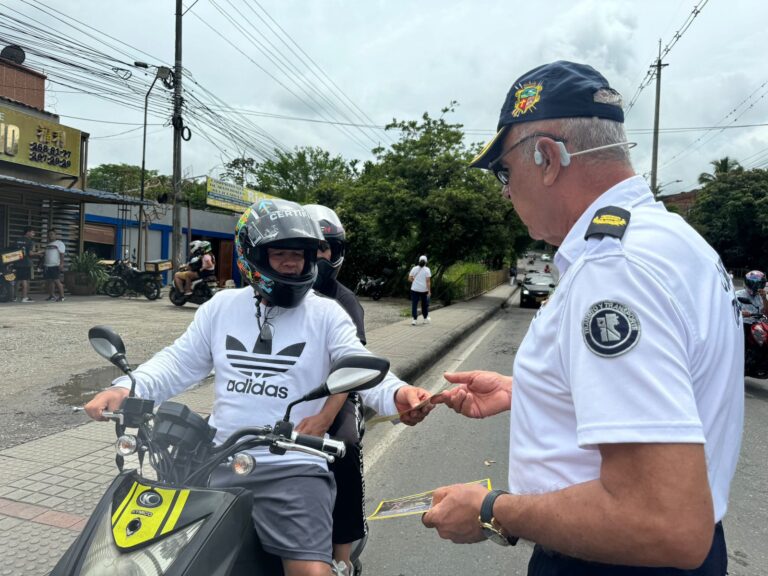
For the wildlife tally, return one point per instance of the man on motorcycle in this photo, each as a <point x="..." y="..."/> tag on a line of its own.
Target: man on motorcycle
<point x="260" y="367"/>
<point x="201" y="263"/>
<point x="348" y="512"/>
<point x="754" y="291"/>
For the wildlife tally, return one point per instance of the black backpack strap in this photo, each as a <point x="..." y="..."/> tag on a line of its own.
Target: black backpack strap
<point x="608" y="221"/>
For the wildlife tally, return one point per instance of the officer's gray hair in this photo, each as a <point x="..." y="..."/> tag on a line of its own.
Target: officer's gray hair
<point x="585" y="133"/>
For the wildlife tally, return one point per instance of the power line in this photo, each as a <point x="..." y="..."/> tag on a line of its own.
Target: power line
<point x="650" y="75"/>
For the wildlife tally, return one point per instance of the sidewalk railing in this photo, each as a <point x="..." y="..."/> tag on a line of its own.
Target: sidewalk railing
<point x="469" y="286"/>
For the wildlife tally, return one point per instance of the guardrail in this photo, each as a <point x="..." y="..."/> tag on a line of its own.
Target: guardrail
<point x="469" y="286"/>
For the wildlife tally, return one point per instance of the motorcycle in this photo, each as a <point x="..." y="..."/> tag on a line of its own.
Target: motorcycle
<point x="370" y="286"/>
<point x="176" y="524"/>
<point x="755" y="345"/>
<point x="203" y="289"/>
<point x="123" y="277"/>
<point x="7" y="274"/>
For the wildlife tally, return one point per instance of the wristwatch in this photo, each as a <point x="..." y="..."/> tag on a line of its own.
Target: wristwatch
<point x="491" y="528"/>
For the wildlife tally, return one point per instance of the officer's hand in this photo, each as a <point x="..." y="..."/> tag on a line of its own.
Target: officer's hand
<point x="412" y="404"/>
<point x="109" y="400"/>
<point x="479" y="393"/>
<point x="316" y="425"/>
<point x="454" y="512"/>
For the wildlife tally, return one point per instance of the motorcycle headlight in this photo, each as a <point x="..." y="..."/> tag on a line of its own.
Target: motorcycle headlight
<point x="526" y="292"/>
<point x="105" y="559"/>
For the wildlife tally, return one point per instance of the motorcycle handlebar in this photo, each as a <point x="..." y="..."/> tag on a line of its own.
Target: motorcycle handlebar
<point x="330" y="446"/>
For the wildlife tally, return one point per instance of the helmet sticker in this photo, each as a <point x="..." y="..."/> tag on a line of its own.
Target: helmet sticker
<point x="610" y="328"/>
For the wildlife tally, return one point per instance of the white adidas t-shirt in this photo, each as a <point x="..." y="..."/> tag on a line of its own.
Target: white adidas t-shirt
<point x="254" y="386"/>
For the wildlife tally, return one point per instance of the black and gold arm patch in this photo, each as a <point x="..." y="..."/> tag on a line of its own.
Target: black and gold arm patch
<point x="608" y="221"/>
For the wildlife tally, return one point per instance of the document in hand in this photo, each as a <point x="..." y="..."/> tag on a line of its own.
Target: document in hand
<point x="410" y="505"/>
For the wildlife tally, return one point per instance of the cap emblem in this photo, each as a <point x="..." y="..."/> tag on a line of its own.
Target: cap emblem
<point x="526" y="98"/>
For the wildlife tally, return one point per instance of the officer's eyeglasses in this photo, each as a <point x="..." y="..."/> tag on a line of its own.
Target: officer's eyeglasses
<point x="502" y="173"/>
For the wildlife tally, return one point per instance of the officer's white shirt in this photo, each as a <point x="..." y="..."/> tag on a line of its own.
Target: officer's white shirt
<point x="254" y="388"/>
<point x="640" y="343"/>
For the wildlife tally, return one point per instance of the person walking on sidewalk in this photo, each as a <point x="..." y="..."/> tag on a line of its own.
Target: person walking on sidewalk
<point x="24" y="266"/>
<point x="420" y="278"/>
<point x="53" y="266"/>
<point x="628" y="393"/>
<point x="342" y="414"/>
<point x="269" y="343"/>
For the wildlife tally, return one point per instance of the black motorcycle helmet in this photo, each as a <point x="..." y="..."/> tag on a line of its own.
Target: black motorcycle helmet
<point x="277" y="224"/>
<point x="335" y="237"/>
<point x="754" y="280"/>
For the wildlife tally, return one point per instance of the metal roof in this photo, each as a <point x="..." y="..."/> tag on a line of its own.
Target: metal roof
<point x="89" y="194"/>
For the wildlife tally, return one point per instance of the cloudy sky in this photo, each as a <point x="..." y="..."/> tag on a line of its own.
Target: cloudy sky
<point x="281" y="69"/>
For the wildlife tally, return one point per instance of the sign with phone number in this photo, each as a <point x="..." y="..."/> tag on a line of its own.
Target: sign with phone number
<point x="37" y="143"/>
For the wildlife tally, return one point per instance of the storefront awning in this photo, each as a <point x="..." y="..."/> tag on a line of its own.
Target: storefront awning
<point x="87" y="195"/>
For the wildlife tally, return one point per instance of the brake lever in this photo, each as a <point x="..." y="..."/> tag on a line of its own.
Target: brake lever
<point x="283" y="445"/>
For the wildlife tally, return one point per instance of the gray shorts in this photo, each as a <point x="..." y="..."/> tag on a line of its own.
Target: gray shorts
<point x="292" y="508"/>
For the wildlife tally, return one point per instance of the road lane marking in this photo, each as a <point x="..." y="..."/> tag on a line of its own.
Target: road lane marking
<point x="390" y="437"/>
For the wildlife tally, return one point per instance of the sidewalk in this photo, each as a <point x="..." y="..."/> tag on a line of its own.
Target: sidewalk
<point x="49" y="486"/>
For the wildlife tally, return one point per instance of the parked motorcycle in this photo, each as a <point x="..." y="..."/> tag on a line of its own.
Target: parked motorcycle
<point x="123" y="277"/>
<point x="8" y="274"/>
<point x="755" y="345"/>
<point x="176" y="525"/>
<point x="370" y="286"/>
<point x="203" y="290"/>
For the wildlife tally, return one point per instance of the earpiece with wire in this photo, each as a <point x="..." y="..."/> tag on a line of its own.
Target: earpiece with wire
<point x="565" y="156"/>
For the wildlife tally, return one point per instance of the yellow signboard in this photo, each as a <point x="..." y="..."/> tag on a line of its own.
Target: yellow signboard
<point x="31" y="141"/>
<point x="232" y="196"/>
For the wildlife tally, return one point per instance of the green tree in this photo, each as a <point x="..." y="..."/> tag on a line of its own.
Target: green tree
<point x="303" y="175"/>
<point x="731" y="212"/>
<point x="126" y="179"/>
<point x="420" y="197"/>
<point x="722" y="167"/>
<point x="241" y="171"/>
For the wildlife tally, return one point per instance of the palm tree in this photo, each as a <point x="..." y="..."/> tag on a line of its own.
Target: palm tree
<point x="722" y="167"/>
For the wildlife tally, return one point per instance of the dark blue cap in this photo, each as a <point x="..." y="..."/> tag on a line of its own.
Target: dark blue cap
<point x="557" y="90"/>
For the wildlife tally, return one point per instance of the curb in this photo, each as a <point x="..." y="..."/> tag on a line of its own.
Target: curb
<point x="413" y="368"/>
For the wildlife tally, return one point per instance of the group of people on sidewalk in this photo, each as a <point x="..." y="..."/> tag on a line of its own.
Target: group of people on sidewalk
<point x="627" y="400"/>
<point x="51" y="263"/>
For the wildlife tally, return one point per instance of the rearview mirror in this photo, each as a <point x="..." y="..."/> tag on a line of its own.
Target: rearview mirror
<point x="350" y="373"/>
<point x="356" y="372"/>
<point x="106" y="342"/>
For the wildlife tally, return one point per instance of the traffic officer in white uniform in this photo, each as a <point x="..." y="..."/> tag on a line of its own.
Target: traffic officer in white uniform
<point x="627" y="396"/>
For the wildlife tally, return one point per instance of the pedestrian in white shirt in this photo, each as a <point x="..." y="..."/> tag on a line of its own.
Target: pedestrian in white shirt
<point x="53" y="266"/>
<point x="420" y="278"/>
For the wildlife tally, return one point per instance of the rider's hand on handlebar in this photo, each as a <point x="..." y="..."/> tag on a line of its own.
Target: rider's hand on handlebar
<point x="108" y="400"/>
<point x="746" y="313"/>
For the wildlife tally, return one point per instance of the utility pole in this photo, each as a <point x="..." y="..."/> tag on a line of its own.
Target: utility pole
<point x="178" y="126"/>
<point x="655" y="160"/>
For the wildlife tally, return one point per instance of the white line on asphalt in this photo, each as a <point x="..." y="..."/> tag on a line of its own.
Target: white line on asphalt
<point x="373" y="454"/>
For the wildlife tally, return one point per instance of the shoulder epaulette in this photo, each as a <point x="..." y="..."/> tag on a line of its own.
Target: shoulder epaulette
<point x="608" y="221"/>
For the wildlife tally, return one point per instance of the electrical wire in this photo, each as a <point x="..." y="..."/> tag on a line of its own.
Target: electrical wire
<point x="651" y="74"/>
